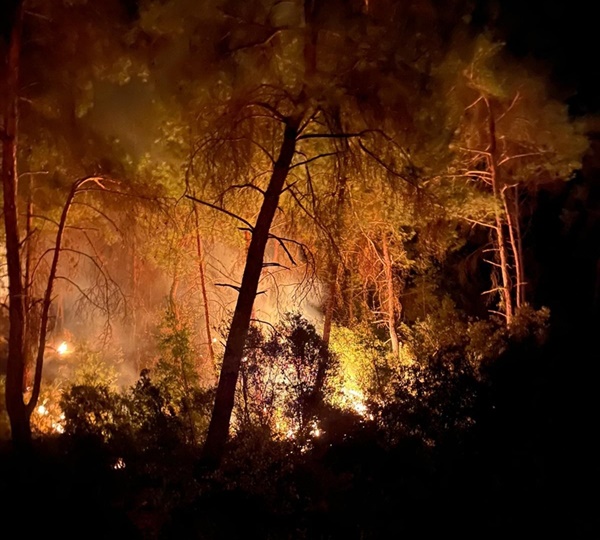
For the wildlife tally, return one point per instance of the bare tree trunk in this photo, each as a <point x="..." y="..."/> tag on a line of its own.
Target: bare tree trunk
<point x="234" y="348"/>
<point x="15" y="369"/>
<point x="391" y="300"/>
<point x="521" y="291"/>
<point x="27" y="289"/>
<point x="513" y="225"/>
<point x="39" y="362"/>
<point x="200" y="251"/>
<point x="330" y="302"/>
<point x="134" y="304"/>
<point x="499" y="229"/>
<point x="334" y="264"/>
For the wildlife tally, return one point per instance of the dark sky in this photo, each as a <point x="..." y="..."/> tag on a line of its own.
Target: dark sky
<point x="562" y="33"/>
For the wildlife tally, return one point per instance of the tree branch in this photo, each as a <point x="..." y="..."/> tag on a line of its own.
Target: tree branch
<point x="226" y="212"/>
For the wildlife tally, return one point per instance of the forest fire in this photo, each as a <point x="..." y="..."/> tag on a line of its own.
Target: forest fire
<point x="291" y="259"/>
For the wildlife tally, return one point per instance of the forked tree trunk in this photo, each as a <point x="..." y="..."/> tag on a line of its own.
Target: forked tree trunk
<point x="234" y="348"/>
<point x="15" y="369"/>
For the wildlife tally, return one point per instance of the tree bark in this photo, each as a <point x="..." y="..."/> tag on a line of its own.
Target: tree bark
<point x="200" y="252"/>
<point x="499" y="229"/>
<point x="15" y="369"/>
<point x="391" y="300"/>
<point x="219" y="424"/>
<point x="39" y="362"/>
<point x="331" y="302"/>
<point x="514" y="231"/>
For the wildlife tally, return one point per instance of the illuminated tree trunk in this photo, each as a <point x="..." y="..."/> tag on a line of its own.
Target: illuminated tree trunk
<point x="134" y="304"/>
<point x="521" y="291"/>
<point x="15" y="369"/>
<point x="334" y="265"/>
<point x="200" y="252"/>
<point x="330" y="302"/>
<point x="234" y="348"/>
<point x="514" y="229"/>
<point x="391" y="299"/>
<point x="28" y="332"/>
<point x="499" y="222"/>
<point x="47" y="301"/>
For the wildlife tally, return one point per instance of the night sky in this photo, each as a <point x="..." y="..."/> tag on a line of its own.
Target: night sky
<point x="562" y="35"/>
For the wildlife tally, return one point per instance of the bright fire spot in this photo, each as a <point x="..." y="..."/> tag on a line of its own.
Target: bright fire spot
<point x="119" y="464"/>
<point x="42" y="410"/>
<point x="214" y="340"/>
<point x="58" y="428"/>
<point x="62" y="348"/>
<point x="357" y="402"/>
<point x="316" y="432"/>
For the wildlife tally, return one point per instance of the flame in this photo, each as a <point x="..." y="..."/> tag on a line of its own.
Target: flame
<point x="63" y="348"/>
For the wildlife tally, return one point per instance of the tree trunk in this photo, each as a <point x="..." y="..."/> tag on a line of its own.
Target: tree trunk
<point x="391" y="300"/>
<point x="28" y="331"/>
<point x="39" y="362"/>
<point x="499" y="229"/>
<point x="15" y="369"/>
<point x="200" y="252"/>
<point x="219" y="424"/>
<point x="514" y="230"/>
<point x="331" y="302"/>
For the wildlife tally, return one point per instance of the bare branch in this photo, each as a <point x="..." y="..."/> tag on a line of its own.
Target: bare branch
<point x="104" y="215"/>
<point x="282" y="244"/>
<point x="385" y="165"/>
<point x="332" y="135"/>
<point x="271" y="264"/>
<point x="235" y="287"/>
<point x="269" y="108"/>
<point x="541" y="152"/>
<point x="83" y="293"/>
<point x="314" y="158"/>
<point x="227" y="212"/>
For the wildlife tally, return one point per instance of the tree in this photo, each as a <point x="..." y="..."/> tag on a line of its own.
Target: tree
<point x="305" y="96"/>
<point x="16" y="354"/>
<point x="17" y="128"/>
<point x="511" y="137"/>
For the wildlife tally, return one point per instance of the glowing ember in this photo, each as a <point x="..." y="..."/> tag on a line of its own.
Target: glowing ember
<point x="62" y="348"/>
<point x="42" y="410"/>
<point x="316" y="432"/>
<point x="119" y="464"/>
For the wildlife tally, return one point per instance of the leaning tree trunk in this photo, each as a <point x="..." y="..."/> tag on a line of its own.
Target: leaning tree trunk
<point x="47" y="301"/>
<point x="234" y="348"/>
<point x="15" y="369"/>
